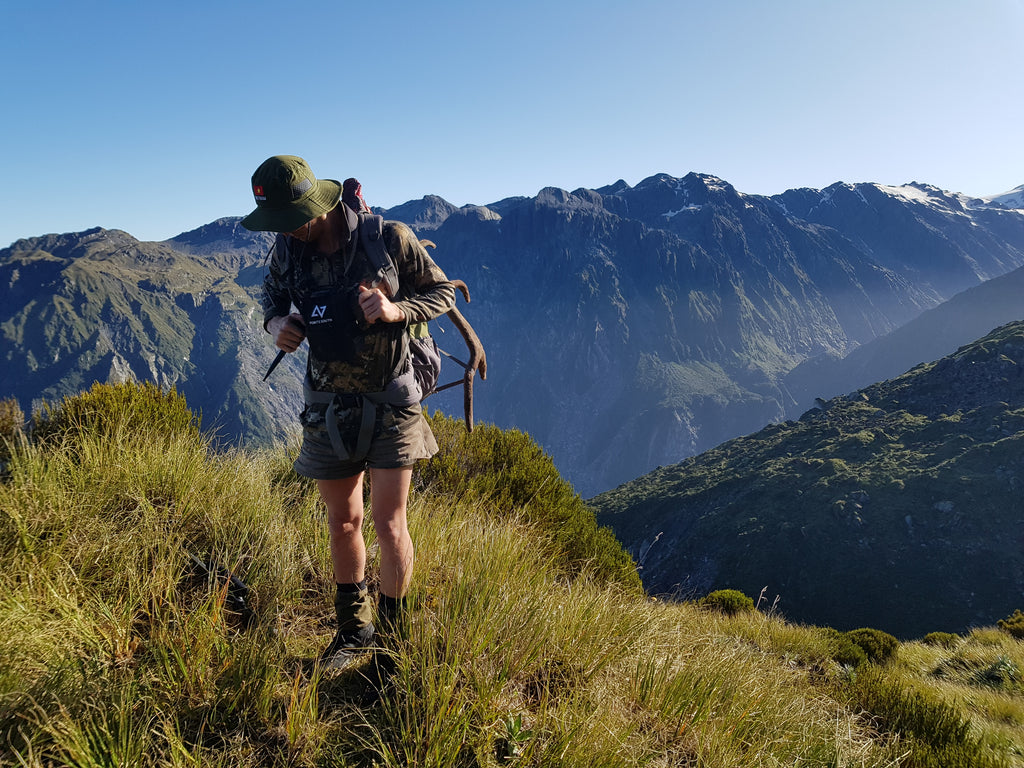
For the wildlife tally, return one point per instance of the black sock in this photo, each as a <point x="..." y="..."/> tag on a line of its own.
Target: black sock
<point x="391" y="605"/>
<point x="359" y="586"/>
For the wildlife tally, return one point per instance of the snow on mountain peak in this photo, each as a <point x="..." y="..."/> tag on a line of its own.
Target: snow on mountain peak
<point x="914" y="193"/>
<point x="1014" y="199"/>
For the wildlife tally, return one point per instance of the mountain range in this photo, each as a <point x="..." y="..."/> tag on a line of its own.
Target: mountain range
<point x="626" y="327"/>
<point x="633" y="326"/>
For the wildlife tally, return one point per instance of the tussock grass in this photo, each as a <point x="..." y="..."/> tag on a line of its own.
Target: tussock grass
<point x="119" y="651"/>
<point x="982" y="673"/>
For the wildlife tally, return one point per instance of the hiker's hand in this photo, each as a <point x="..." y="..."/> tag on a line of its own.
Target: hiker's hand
<point x="377" y="306"/>
<point x="288" y="332"/>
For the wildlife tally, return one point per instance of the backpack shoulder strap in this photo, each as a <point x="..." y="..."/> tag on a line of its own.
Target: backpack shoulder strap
<point x="371" y="236"/>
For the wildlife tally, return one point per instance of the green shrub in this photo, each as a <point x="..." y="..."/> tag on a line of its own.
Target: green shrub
<point x="509" y="471"/>
<point x="835" y="467"/>
<point x="727" y="601"/>
<point x="941" y="639"/>
<point x="877" y="645"/>
<point x="859" y="646"/>
<point x="847" y="652"/>
<point x="108" y="408"/>
<point x="1014" y="624"/>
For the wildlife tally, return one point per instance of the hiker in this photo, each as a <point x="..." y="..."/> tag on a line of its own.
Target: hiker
<point x="362" y="406"/>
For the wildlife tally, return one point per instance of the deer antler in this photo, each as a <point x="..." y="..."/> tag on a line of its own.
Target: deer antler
<point x="477" y="357"/>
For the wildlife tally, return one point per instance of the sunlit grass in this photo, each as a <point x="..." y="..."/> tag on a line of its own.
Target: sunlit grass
<point x="118" y="650"/>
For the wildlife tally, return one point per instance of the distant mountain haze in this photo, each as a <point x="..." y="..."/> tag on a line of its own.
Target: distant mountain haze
<point x="626" y="327"/>
<point x="966" y="317"/>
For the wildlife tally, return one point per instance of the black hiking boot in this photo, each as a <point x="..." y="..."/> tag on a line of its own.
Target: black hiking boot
<point x="393" y="618"/>
<point x="348" y="647"/>
<point x="379" y="674"/>
<point x="392" y="631"/>
<point x="355" y="635"/>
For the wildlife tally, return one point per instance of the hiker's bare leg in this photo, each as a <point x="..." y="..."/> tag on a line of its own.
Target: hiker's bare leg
<point x="389" y="495"/>
<point x="344" y="500"/>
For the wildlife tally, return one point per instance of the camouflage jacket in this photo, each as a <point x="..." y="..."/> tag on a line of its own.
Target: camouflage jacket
<point x="348" y="355"/>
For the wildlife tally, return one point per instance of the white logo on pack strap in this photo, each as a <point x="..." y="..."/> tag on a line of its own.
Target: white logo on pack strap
<point x="320" y="311"/>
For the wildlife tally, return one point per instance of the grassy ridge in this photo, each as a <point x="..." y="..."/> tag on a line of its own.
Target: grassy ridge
<point x="118" y="651"/>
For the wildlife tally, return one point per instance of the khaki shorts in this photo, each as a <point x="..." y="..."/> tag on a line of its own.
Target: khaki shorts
<point x="401" y="436"/>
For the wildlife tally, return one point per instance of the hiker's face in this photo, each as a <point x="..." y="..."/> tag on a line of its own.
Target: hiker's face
<point x="307" y="232"/>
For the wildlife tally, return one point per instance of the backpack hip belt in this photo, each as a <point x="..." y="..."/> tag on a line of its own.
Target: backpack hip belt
<point x="402" y="392"/>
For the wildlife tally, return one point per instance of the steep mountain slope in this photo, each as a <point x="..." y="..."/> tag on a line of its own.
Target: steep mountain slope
<point x="901" y="506"/>
<point x="102" y="306"/>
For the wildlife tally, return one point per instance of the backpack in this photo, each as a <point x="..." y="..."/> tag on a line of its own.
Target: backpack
<point x="423" y="351"/>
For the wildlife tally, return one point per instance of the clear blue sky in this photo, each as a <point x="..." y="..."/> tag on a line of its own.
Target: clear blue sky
<point x="150" y="117"/>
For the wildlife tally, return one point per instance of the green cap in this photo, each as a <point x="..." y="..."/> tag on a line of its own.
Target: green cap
<point x="288" y="195"/>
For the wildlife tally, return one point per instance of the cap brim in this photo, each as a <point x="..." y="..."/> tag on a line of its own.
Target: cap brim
<point x="323" y="198"/>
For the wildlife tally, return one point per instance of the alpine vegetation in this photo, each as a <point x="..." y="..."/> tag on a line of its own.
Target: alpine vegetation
<point x="163" y="602"/>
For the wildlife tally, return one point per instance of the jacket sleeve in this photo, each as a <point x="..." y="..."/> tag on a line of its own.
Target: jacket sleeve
<point x="277" y="300"/>
<point x="424" y="290"/>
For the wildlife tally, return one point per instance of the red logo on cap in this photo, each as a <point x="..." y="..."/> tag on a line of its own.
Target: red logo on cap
<point x="257" y="191"/>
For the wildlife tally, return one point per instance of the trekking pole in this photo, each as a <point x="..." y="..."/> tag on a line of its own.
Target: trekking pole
<point x="273" y="365"/>
<point x="281" y="353"/>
